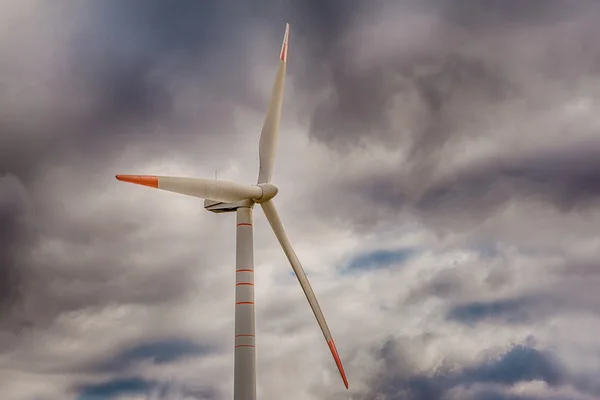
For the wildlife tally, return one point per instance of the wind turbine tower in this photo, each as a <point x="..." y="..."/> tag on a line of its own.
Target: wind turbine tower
<point x="222" y="197"/>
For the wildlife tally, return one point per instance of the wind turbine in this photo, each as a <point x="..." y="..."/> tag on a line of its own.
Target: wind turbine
<point x="223" y="196"/>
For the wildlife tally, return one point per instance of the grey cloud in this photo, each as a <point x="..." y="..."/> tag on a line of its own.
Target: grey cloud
<point x="115" y="75"/>
<point x="568" y="178"/>
<point x="367" y="105"/>
<point x="469" y="80"/>
<point x="471" y="13"/>
<point x="474" y="303"/>
<point x="498" y="394"/>
<point x="445" y="284"/>
<point x="13" y="236"/>
<point x="520" y="364"/>
<point x="450" y="81"/>
<point x="494" y="300"/>
<point x="82" y="264"/>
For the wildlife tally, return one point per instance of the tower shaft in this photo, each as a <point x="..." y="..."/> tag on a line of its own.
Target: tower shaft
<point x="244" y="375"/>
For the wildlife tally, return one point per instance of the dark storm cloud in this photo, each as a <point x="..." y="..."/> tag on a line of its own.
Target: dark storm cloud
<point x="112" y="72"/>
<point x="475" y="14"/>
<point x="13" y="236"/>
<point x="461" y="83"/>
<point x="567" y="178"/>
<point x="321" y="25"/>
<point x="438" y="70"/>
<point x="362" y="106"/>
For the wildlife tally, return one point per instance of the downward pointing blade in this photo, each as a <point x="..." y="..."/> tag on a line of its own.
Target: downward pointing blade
<point x="211" y="189"/>
<point x="270" y="130"/>
<point x="275" y="222"/>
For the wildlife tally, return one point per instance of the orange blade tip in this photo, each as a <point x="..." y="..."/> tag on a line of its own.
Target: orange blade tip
<point x="338" y="362"/>
<point x="284" y="45"/>
<point x="150" y="181"/>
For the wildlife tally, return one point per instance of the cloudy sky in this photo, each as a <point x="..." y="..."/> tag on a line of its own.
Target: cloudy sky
<point x="439" y="175"/>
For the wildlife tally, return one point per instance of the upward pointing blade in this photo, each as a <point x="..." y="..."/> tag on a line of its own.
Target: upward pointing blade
<point x="275" y="222"/>
<point x="270" y="130"/>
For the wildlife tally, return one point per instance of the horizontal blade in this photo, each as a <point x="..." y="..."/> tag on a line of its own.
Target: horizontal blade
<point x="270" y="130"/>
<point x="275" y="222"/>
<point x="197" y="187"/>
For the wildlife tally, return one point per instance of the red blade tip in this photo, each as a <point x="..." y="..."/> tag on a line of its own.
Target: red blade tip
<point x="150" y="181"/>
<point x="284" y="45"/>
<point x="338" y="362"/>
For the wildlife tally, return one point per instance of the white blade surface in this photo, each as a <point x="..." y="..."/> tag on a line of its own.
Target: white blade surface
<point x="211" y="189"/>
<point x="275" y="222"/>
<point x="270" y="130"/>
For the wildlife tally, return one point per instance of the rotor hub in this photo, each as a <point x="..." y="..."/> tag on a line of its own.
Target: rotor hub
<point x="268" y="192"/>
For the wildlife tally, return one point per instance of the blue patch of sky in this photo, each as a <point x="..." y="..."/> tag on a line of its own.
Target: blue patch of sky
<point x="513" y="310"/>
<point x="522" y="363"/>
<point x="375" y="259"/>
<point x="380" y="259"/>
<point x="110" y="389"/>
<point x="159" y="352"/>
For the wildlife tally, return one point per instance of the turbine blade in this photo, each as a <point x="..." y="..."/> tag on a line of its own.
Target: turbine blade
<point x="270" y="129"/>
<point x="197" y="187"/>
<point x="275" y="222"/>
